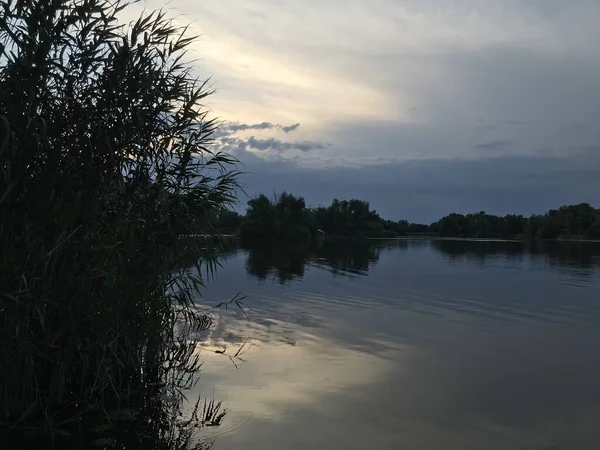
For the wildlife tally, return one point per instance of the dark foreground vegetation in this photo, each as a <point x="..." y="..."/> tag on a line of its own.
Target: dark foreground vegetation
<point x="103" y="166"/>
<point x="286" y="217"/>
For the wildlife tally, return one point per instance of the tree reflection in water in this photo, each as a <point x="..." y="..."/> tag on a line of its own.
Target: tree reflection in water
<point x="566" y="254"/>
<point x="158" y="416"/>
<point x="285" y="262"/>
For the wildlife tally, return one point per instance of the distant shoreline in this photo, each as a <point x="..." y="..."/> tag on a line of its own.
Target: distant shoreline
<point x="337" y="238"/>
<point x="438" y="238"/>
<point x="286" y="217"/>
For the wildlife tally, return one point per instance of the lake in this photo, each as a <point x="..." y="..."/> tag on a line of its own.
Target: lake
<point x="407" y="344"/>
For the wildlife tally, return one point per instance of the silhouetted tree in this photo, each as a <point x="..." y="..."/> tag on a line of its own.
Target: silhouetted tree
<point x="572" y="221"/>
<point x="229" y="221"/>
<point x="287" y="217"/>
<point x="284" y="217"/>
<point x="353" y="218"/>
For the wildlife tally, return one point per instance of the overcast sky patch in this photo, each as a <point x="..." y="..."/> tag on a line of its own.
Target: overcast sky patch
<point x="470" y="83"/>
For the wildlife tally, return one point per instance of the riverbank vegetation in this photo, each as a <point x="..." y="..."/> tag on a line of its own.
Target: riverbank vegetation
<point x="287" y="217"/>
<point x="104" y="164"/>
<point x="580" y="221"/>
<point x="284" y="217"/>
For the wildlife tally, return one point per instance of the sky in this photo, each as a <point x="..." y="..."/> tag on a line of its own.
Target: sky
<point x="421" y="107"/>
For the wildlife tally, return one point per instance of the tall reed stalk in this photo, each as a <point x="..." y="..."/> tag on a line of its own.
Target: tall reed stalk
<point x="104" y="162"/>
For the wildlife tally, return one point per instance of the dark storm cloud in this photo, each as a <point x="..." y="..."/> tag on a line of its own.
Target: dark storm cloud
<point x="426" y="190"/>
<point x="237" y="144"/>
<point x="493" y="145"/>
<point x="229" y="128"/>
<point x="277" y="145"/>
<point x="290" y="128"/>
<point x="232" y="144"/>
<point x="257" y="126"/>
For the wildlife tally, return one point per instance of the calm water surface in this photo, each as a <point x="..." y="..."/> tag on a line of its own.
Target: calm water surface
<point x="408" y="344"/>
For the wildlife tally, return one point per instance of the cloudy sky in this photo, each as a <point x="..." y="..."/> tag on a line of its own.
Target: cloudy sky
<point x="422" y="107"/>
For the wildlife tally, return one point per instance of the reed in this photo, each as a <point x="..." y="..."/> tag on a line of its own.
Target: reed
<point x="105" y="161"/>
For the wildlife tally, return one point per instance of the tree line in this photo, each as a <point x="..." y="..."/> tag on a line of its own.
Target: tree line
<point x="287" y="217"/>
<point x="580" y="221"/>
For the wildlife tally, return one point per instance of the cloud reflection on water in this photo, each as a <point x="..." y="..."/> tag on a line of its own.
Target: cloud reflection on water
<point x="497" y="353"/>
